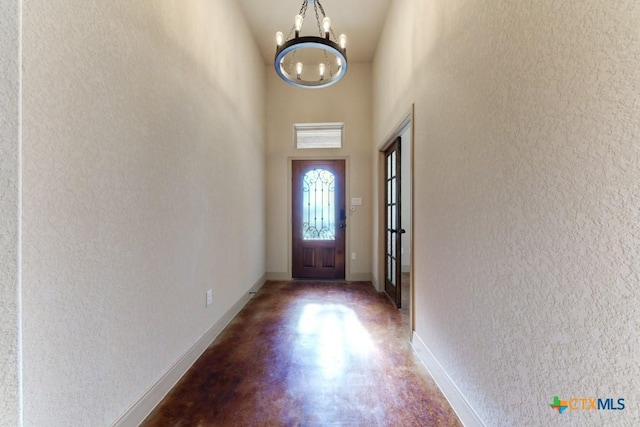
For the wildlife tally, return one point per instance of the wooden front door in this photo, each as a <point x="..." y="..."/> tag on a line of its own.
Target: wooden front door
<point x="319" y="219"/>
<point x="393" y="229"/>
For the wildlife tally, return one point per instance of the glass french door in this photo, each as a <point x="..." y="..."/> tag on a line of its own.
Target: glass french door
<point x="318" y="219"/>
<point x="393" y="230"/>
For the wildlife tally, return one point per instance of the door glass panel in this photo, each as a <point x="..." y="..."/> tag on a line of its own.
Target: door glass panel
<point x="392" y="249"/>
<point x="393" y="272"/>
<point x="393" y="219"/>
<point x="392" y="198"/>
<point x="318" y="205"/>
<point x="392" y="159"/>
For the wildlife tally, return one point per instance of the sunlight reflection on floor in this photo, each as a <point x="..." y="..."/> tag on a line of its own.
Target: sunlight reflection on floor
<point x="333" y="336"/>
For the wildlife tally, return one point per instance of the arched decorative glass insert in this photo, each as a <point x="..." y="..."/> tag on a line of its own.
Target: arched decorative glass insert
<point x="318" y="205"/>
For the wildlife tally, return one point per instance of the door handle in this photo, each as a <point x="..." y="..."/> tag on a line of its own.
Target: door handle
<point x="343" y="225"/>
<point x="402" y="231"/>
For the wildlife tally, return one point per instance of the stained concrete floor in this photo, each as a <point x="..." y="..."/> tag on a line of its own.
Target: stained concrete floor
<point x="306" y="353"/>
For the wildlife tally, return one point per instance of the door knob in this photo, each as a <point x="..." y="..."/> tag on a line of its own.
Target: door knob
<point x="343" y="225"/>
<point x="402" y="231"/>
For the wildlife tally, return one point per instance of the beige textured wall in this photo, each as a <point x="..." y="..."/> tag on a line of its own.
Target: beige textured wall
<point x="527" y="172"/>
<point x="348" y="101"/>
<point x="9" y="212"/>
<point x="137" y="117"/>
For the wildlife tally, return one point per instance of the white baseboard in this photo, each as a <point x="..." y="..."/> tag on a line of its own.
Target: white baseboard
<point x="354" y="277"/>
<point x="458" y="402"/>
<point x="278" y="276"/>
<point x="360" y="277"/>
<point x="377" y="285"/>
<point x="150" y="399"/>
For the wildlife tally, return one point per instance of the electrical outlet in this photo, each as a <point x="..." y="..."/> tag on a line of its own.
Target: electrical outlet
<point x="209" y="297"/>
<point x="353" y="255"/>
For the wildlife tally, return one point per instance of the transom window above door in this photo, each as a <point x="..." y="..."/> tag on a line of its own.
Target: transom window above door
<point x="318" y="135"/>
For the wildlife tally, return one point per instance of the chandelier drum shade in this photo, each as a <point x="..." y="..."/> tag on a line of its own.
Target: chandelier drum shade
<point x="311" y="61"/>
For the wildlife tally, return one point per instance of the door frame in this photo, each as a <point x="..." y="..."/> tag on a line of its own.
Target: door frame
<point x="347" y="195"/>
<point x="407" y="122"/>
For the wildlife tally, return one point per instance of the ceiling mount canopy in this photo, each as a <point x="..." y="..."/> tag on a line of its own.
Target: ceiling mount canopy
<point x="311" y="61"/>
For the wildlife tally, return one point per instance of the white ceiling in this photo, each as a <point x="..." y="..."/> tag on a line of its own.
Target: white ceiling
<point x="360" y="20"/>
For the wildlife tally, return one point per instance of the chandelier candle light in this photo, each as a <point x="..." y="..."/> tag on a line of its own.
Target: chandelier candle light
<point x="311" y="61"/>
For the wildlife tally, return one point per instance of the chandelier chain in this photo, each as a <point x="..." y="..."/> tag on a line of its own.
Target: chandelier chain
<point x="321" y="8"/>
<point x="293" y="57"/>
<point x="326" y="57"/>
<point x="303" y="13"/>
<point x="315" y="6"/>
<point x="323" y="15"/>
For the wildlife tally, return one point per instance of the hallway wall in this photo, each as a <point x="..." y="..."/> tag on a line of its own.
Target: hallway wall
<point x="526" y="226"/>
<point x="143" y="187"/>
<point x="9" y="212"/>
<point x="347" y="101"/>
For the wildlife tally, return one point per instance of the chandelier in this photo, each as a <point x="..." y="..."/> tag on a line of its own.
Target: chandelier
<point x="311" y="61"/>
